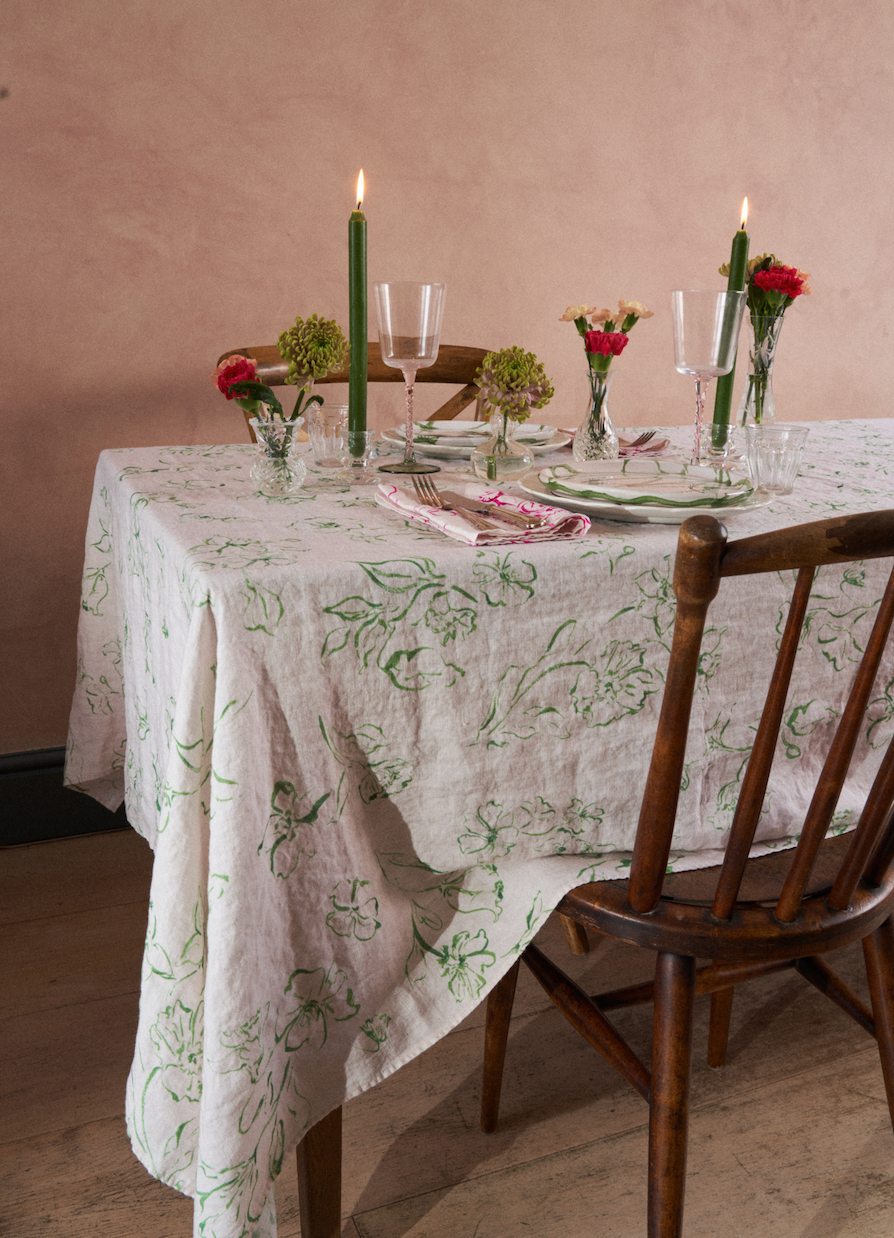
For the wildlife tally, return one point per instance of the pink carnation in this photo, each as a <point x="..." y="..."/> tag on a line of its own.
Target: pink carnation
<point x="787" y="280"/>
<point x="608" y="343"/>
<point x="235" y="369"/>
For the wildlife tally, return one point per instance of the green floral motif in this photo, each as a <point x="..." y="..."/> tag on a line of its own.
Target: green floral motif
<point x="351" y="914"/>
<point x="197" y="777"/>
<point x="503" y="580"/>
<point x="177" y="1036"/>
<point x="217" y="886"/>
<point x="273" y="1105"/>
<point x="244" y="1047"/>
<point x="355" y="531"/>
<point x="243" y="553"/>
<point x="615" y="687"/>
<point x="438" y="895"/>
<point x="176" y="969"/>
<point x="569" y="683"/>
<point x="406" y="591"/>
<point x="263" y="609"/>
<point x="235" y="1192"/>
<point x="879" y="716"/>
<point x="288" y="836"/>
<point x="578" y="817"/>
<point x="496" y="829"/>
<point x="725" y="737"/>
<point x="449" y="622"/>
<point x="800" y="721"/>
<point x="841" y="626"/>
<point x="376" y="1030"/>
<point x="533" y="921"/>
<point x="710" y="657"/>
<point x="100" y="692"/>
<point x="382" y="778"/>
<point x="657" y="601"/>
<point x="615" y="554"/>
<point x="463" y="962"/>
<point x="95" y="589"/>
<point x="492" y="830"/>
<point x="323" y="996"/>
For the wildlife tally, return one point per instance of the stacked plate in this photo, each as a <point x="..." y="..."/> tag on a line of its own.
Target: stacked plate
<point x="649" y="491"/>
<point x="456" y="439"/>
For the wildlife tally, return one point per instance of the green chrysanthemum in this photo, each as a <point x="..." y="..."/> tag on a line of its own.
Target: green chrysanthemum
<point x="514" y="382"/>
<point x="313" y="348"/>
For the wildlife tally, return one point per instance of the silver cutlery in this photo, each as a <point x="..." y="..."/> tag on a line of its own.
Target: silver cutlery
<point x="642" y="440"/>
<point x="428" y="493"/>
<point x="520" y="519"/>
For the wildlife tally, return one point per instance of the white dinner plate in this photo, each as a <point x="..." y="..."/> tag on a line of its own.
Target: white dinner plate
<point x="649" y="482"/>
<point x="448" y="429"/>
<point x="635" y="514"/>
<point x="445" y="450"/>
<point x="527" y="432"/>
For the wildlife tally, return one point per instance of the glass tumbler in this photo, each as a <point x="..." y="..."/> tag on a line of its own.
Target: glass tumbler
<point x="326" y="425"/>
<point x="774" y="455"/>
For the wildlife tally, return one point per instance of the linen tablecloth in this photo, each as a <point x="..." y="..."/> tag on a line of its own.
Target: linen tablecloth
<point x="370" y="760"/>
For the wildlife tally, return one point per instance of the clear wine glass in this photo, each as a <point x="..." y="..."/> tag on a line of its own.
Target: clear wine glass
<point x="409" y="318"/>
<point x="706" y="333"/>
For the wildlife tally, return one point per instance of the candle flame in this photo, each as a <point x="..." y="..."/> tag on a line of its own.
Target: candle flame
<point x="360" y="190"/>
<point x="744" y="212"/>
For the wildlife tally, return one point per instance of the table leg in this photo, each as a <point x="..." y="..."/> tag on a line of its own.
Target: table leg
<point x="319" y="1179"/>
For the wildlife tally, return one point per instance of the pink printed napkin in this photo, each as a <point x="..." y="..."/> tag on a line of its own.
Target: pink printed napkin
<point x="559" y="525"/>
<point x="655" y="447"/>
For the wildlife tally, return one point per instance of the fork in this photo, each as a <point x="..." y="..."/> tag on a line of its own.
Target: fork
<point x="429" y="494"/>
<point x="456" y="502"/>
<point x="642" y="440"/>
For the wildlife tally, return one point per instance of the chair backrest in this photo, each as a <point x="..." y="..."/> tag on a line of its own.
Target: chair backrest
<point x="455" y="364"/>
<point x="703" y="560"/>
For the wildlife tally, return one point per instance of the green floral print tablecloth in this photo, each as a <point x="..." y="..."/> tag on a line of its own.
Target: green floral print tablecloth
<point x="370" y="760"/>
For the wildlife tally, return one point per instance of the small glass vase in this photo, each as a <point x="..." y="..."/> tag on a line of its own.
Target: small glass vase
<point x="757" y="406"/>
<point x="277" y="470"/>
<point x="501" y="458"/>
<point x="596" y="439"/>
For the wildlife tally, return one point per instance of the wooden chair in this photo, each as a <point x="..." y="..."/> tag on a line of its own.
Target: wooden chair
<point x="749" y="917"/>
<point x="455" y="364"/>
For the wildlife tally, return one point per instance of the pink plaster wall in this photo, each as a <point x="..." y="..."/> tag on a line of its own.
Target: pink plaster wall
<point x="178" y="176"/>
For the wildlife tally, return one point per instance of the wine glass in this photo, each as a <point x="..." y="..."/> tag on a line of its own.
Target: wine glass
<point x="706" y="333"/>
<point x="409" y="334"/>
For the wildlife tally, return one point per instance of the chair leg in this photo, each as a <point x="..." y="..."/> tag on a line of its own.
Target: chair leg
<point x="878" y="951"/>
<point x="718" y="1029"/>
<point x="575" y="935"/>
<point x="319" y="1179"/>
<point x="496" y="1033"/>
<point x="669" y="1104"/>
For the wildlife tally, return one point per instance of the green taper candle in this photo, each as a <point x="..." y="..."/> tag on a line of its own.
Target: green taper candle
<point x="738" y="270"/>
<point x="357" y="312"/>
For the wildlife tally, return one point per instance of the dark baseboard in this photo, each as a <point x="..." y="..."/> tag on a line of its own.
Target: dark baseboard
<point x="35" y="807"/>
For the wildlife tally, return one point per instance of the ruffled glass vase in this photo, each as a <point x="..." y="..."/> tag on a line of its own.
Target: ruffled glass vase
<point x="501" y="458"/>
<point x="757" y="406"/>
<point x="277" y="470"/>
<point x="596" y="439"/>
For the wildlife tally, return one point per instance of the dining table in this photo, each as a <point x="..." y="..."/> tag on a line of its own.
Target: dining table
<point x="370" y="759"/>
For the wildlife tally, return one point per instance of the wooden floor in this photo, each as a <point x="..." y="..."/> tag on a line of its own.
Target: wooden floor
<point x="792" y="1140"/>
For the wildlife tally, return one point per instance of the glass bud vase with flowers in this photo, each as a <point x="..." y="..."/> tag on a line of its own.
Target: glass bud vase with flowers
<point x="771" y="289"/>
<point x="277" y="470"/>
<point x="512" y="382"/>
<point x="313" y="347"/>
<point x="605" y="337"/>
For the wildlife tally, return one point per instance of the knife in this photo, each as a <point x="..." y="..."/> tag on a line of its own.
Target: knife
<point x="492" y="509"/>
